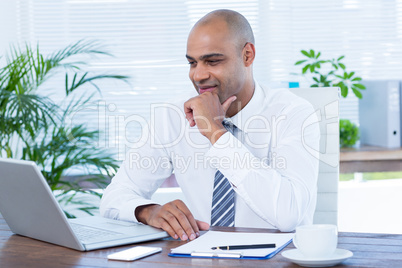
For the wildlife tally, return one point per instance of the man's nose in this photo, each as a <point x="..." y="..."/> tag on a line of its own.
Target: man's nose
<point x="200" y="73"/>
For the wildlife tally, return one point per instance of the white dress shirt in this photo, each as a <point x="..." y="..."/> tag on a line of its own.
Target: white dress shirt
<point x="273" y="175"/>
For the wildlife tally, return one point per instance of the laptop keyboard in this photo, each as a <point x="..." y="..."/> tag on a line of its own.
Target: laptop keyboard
<point x="85" y="233"/>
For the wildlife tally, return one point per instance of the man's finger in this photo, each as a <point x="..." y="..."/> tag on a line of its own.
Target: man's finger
<point x="190" y="218"/>
<point x="168" y="228"/>
<point x="203" y="226"/>
<point x="185" y="228"/>
<point x="172" y="218"/>
<point x="190" y="119"/>
<point x="228" y="102"/>
<point x="189" y="113"/>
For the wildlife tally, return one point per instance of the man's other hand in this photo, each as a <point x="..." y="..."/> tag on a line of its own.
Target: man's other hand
<point x="173" y="217"/>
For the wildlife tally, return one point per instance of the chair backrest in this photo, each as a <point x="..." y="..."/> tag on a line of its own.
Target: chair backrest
<point x="326" y="104"/>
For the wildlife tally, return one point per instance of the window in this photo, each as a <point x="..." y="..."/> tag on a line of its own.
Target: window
<point x="148" y="39"/>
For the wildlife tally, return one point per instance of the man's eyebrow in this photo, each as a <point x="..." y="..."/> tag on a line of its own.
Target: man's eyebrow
<point x="203" y="57"/>
<point x="206" y="56"/>
<point x="189" y="58"/>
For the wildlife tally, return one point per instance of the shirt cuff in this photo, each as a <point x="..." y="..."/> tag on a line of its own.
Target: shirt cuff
<point x="127" y="213"/>
<point x="231" y="158"/>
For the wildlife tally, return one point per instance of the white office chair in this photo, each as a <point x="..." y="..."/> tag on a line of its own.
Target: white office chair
<point x="326" y="103"/>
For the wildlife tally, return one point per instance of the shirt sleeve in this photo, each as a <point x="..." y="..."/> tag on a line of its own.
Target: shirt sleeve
<point x="140" y="175"/>
<point x="281" y="186"/>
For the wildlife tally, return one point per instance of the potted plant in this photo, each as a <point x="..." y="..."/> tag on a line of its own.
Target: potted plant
<point x="330" y="73"/>
<point x="333" y="73"/>
<point x="32" y="126"/>
<point x="348" y="133"/>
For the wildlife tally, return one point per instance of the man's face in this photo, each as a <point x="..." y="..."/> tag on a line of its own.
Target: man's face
<point x="215" y="61"/>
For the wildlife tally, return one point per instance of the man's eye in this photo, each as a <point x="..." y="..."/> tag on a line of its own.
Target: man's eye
<point x="213" y="62"/>
<point x="191" y="62"/>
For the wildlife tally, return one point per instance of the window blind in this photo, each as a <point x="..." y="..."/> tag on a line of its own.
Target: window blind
<point x="148" y="41"/>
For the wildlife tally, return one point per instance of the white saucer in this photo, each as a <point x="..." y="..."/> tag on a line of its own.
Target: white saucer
<point x="337" y="257"/>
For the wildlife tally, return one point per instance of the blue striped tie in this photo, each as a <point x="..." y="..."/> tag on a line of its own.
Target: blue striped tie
<point x="223" y="210"/>
<point x="223" y="205"/>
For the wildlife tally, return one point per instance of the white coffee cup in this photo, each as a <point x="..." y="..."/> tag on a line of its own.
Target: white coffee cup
<point x="317" y="240"/>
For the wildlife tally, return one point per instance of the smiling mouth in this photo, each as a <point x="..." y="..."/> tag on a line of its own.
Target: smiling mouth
<point x="206" y="89"/>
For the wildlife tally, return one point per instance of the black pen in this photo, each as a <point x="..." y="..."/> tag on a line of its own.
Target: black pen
<point x="245" y="246"/>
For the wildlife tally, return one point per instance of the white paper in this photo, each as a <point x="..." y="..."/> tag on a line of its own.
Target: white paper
<point x="211" y="239"/>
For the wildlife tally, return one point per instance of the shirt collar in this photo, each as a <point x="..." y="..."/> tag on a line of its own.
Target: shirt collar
<point x="253" y="107"/>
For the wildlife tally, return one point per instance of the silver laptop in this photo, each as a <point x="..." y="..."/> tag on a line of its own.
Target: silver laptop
<point x="30" y="209"/>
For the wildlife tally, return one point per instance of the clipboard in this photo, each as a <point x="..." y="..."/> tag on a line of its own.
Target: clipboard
<point x="201" y="247"/>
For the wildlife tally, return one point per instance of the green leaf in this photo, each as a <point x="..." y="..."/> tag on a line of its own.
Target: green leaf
<point x="357" y="93"/>
<point x="305" y="68"/>
<point x="318" y="55"/>
<point x="342" y="66"/>
<point x="359" y="86"/>
<point x="315" y="79"/>
<point x="305" y="53"/>
<point x="66" y="84"/>
<point x="357" y="79"/>
<point x="351" y="74"/>
<point x="315" y="85"/>
<point x="312" y="68"/>
<point x="91" y="80"/>
<point x="300" y="62"/>
<point x="344" y="91"/>
<point x="341" y="57"/>
<point x="312" y="53"/>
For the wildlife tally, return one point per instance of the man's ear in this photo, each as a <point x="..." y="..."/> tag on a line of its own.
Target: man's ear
<point x="248" y="54"/>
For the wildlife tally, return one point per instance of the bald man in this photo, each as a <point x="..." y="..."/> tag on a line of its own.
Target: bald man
<point x="236" y="149"/>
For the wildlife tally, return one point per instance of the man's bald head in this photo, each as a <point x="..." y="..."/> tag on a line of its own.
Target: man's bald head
<point x="237" y="25"/>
